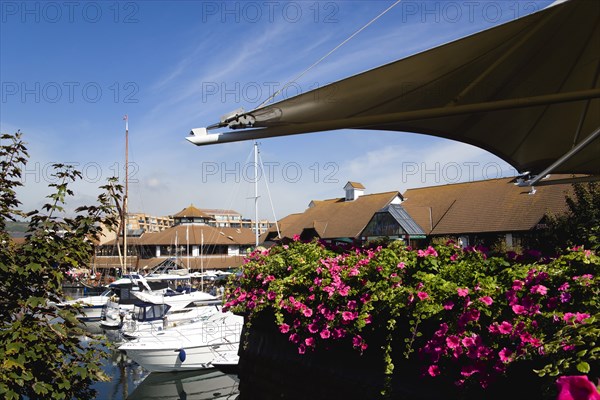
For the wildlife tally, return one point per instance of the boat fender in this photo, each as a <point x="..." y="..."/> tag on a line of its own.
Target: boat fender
<point x="182" y="355"/>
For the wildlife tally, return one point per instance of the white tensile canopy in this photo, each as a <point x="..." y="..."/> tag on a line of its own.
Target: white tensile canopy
<point x="527" y="91"/>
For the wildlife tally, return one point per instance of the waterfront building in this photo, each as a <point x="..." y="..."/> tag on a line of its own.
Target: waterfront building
<point x="148" y="223"/>
<point x="493" y="211"/>
<point x="193" y="240"/>
<point x="233" y="219"/>
<point x="356" y="216"/>
<point x="487" y="212"/>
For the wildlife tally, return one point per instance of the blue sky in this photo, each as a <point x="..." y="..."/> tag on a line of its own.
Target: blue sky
<point x="69" y="71"/>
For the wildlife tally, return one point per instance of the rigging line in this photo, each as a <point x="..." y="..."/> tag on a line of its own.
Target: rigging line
<point x="327" y="55"/>
<point x="235" y="192"/>
<point x="270" y="199"/>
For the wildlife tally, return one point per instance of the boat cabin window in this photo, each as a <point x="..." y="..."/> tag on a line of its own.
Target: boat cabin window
<point x="150" y="312"/>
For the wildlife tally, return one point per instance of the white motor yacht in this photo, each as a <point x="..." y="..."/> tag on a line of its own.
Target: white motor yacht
<point x="194" y="347"/>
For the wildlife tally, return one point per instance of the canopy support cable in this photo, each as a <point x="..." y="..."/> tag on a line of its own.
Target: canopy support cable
<point x="326" y="55"/>
<point x="262" y="167"/>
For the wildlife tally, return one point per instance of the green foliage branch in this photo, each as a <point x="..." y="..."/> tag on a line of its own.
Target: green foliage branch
<point x="42" y="354"/>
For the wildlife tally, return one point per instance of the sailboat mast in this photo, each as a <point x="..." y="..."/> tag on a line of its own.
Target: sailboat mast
<point x="256" y="234"/>
<point x="201" y="260"/>
<point x="125" y="218"/>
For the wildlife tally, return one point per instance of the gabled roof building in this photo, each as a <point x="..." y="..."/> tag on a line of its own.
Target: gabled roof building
<point x="477" y="212"/>
<point x="356" y="216"/>
<point x="194" y="240"/>
<point x="485" y="211"/>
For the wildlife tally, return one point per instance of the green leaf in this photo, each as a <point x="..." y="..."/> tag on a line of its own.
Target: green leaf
<point x="583" y="367"/>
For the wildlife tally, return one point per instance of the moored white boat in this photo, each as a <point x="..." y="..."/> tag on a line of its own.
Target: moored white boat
<point x="92" y="306"/>
<point x="194" y="347"/>
<point x="227" y="361"/>
<point x="148" y="318"/>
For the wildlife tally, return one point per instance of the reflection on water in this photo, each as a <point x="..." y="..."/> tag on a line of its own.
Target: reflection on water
<point x="197" y="385"/>
<point x="130" y="382"/>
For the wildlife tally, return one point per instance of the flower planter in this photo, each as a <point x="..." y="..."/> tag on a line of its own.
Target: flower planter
<point x="484" y="323"/>
<point x="270" y="367"/>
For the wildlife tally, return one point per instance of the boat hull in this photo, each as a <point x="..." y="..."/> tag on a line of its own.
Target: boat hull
<point x="178" y="359"/>
<point x="192" y="348"/>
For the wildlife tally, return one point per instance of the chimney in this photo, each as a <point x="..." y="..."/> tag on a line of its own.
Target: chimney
<point x="354" y="190"/>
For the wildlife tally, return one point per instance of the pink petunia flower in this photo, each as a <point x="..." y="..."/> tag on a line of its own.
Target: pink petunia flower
<point x="540" y="289"/>
<point x="349" y="316"/>
<point x="505" y="327"/>
<point x="580" y="317"/>
<point x="573" y="318"/>
<point x="462" y="292"/>
<point x="433" y="370"/>
<point x="576" y="388"/>
<point x="343" y="291"/>
<point x="517" y="284"/>
<point x="487" y="300"/>
<point x="284" y="328"/>
<point x="468" y="342"/>
<point x="452" y="341"/>
<point x="568" y="347"/>
<point x="518" y="309"/>
<point x="357" y="341"/>
<point x="449" y="305"/>
<point x="325" y="334"/>
<point x="422" y="295"/>
<point x="401" y="265"/>
<point x="310" y="341"/>
<point x="430" y="251"/>
<point x="338" y="333"/>
<point x="505" y="355"/>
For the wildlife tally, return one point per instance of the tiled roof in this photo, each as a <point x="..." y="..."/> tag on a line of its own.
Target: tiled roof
<point x="218" y="211"/>
<point x="196" y="234"/>
<point x="495" y="205"/>
<point x="355" y="185"/>
<point x="190" y="212"/>
<point x="335" y="218"/>
<point x="195" y="263"/>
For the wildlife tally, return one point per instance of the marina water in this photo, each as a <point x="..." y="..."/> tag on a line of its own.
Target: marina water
<point x="129" y="381"/>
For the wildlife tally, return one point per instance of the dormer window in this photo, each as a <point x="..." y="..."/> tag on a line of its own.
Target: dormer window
<point x="354" y="190"/>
